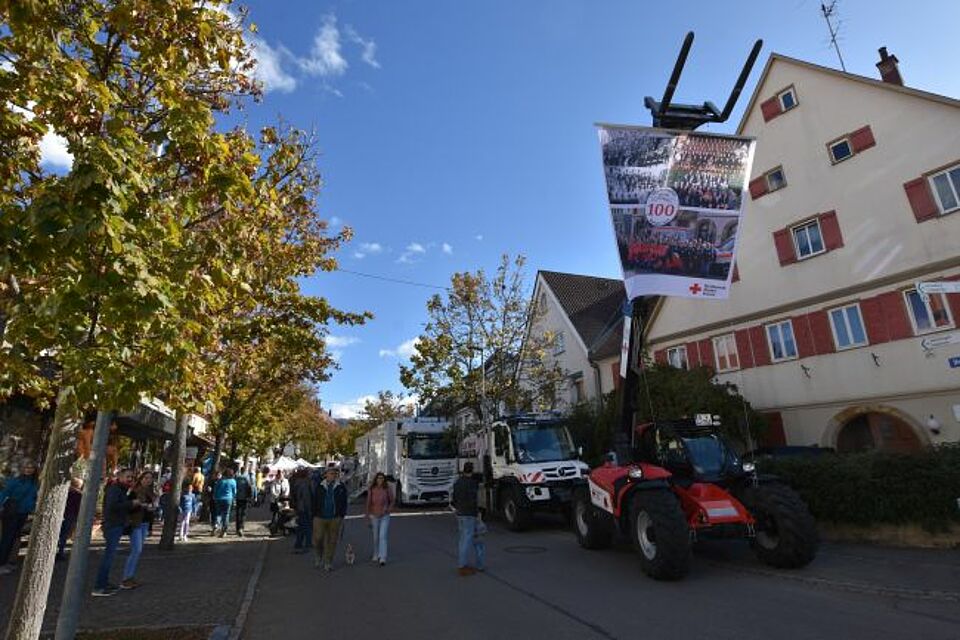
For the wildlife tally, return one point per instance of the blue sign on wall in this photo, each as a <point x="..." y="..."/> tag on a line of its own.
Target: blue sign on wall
<point x="954" y="362"/>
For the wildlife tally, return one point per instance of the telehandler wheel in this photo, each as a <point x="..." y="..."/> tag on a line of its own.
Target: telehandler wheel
<point x="515" y="514"/>
<point x="593" y="527"/>
<point x="786" y="532"/>
<point x="659" y="532"/>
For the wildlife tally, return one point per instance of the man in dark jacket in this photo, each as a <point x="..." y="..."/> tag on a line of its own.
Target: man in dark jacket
<point x="303" y="503"/>
<point x="242" y="499"/>
<point x="329" y="509"/>
<point x="117" y="505"/>
<point x="464" y="500"/>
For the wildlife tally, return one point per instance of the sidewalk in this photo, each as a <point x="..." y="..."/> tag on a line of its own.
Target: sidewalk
<point x="199" y="584"/>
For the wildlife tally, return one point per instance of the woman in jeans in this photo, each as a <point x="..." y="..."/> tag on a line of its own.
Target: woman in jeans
<point x="224" y="492"/>
<point x="17" y="501"/>
<point x="379" y="504"/>
<point x="144" y="493"/>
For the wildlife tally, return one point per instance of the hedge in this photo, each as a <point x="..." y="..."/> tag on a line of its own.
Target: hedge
<point x="876" y="487"/>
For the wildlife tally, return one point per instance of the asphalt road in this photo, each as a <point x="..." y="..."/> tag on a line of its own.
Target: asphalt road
<point x="541" y="584"/>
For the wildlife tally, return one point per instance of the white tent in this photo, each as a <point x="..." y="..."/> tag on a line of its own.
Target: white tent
<point x="303" y="463"/>
<point x="285" y="464"/>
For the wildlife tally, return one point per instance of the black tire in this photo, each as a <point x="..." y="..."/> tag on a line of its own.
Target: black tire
<point x="660" y="534"/>
<point x="515" y="514"/>
<point x="594" y="528"/>
<point x="787" y="535"/>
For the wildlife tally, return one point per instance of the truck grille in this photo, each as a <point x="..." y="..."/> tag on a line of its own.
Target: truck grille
<point x="434" y="476"/>
<point x="560" y="473"/>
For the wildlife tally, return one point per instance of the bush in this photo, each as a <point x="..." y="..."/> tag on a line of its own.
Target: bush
<point x="876" y="487"/>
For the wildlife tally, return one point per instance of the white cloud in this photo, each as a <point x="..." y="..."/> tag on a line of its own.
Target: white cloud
<point x="351" y="408"/>
<point x="6" y="65"/>
<point x="338" y="342"/>
<point x="403" y="351"/>
<point x="54" y="152"/>
<point x="447" y="248"/>
<point x="269" y="69"/>
<point x="368" y="248"/>
<point x="409" y="254"/>
<point x="416" y="247"/>
<point x="368" y="48"/>
<point x="478" y="237"/>
<point x="326" y="59"/>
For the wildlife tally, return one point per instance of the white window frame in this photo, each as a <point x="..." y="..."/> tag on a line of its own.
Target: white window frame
<point x="837" y="142"/>
<point x="955" y="187"/>
<point x="778" y="325"/>
<point x="725" y="341"/>
<point x="792" y="92"/>
<point x="846" y="321"/>
<point x="766" y="177"/>
<point x="679" y="349"/>
<point x="926" y="303"/>
<point x="559" y="344"/>
<point x="803" y="226"/>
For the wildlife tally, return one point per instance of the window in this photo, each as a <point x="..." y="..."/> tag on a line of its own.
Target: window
<point x="558" y="344"/>
<point x="928" y="315"/>
<point x="840" y="150"/>
<point x="782" y="344"/>
<point x="577" y="388"/>
<point x="677" y="357"/>
<point x="775" y="179"/>
<point x="725" y="348"/>
<point x="946" y="185"/>
<point x="788" y="99"/>
<point x="847" y="326"/>
<point x="808" y="239"/>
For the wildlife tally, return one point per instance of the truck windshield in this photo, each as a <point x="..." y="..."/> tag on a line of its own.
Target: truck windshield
<point x="709" y="455"/>
<point x="542" y="443"/>
<point x="429" y="446"/>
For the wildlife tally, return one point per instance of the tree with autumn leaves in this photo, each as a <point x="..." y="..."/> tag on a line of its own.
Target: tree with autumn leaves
<point x="166" y="261"/>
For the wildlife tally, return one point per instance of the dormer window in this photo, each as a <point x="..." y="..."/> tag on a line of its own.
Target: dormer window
<point x="788" y="99"/>
<point x="840" y="150"/>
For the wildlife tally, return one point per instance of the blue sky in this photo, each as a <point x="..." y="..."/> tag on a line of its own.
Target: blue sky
<point x="452" y="132"/>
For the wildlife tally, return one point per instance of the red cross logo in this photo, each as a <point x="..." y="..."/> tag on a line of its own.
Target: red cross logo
<point x="695" y="288"/>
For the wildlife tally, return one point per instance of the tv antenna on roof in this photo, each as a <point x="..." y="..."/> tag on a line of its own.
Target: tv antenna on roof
<point x="669" y="115"/>
<point x="828" y="11"/>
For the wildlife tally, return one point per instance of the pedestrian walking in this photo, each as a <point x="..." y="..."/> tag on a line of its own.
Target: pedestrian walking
<point x="117" y="505"/>
<point x="278" y="493"/>
<point x="303" y="504"/>
<point x="242" y="500"/>
<point x="188" y="501"/>
<point x="17" y="501"/>
<point x="379" y="505"/>
<point x="329" y="509"/>
<point x="211" y="501"/>
<point x="197" y="482"/>
<point x="464" y="501"/>
<point x="258" y="484"/>
<point x="143" y="494"/>
<point x="71" y="512"/>
<point x="224" y="492"/>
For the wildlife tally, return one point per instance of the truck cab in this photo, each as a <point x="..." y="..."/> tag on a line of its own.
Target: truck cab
<point x="427" y="465"/>
<point x="528" y="463"/>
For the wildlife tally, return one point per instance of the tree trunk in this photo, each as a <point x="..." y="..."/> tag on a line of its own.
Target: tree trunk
<point x="74" y="586"/>
<point x="217" y="449"/>
<point x="176" y="480"/>
<point x="26" y="618"/>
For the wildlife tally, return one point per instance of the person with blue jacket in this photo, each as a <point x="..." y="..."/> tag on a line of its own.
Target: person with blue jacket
<point x="17" y="501"/>
<point x="118" y="503"/>
<point x="224" y="492"/>
<point x="188" y="501"/>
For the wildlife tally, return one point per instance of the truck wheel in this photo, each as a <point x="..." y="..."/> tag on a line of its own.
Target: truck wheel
<point x="515" y="514"/>
<point x="786" y="532"/>
<point x="660" y="533"/>
<point x="593" y="527"/>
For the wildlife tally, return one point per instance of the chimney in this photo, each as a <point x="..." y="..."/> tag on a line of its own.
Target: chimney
<point x="889" y="71"/>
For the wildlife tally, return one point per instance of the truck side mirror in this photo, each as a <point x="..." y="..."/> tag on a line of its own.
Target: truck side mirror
<point x="580" y="451"/>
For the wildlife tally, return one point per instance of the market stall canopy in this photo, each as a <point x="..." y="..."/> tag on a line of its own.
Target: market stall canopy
<point x="283" y="463"/>
<point x="303" y="463"/>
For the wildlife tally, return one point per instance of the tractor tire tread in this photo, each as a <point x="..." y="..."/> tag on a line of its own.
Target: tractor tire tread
<point x="798" y="540"/>
<point x="672" y="561"/>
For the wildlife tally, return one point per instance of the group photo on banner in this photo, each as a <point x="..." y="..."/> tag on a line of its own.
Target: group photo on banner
<point x="676" y="201"/>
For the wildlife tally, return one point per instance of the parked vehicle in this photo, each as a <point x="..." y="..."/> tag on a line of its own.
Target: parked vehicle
<point x="418" y="455"/>
<point x="528" y="463"/>
<point x="688" y="483"/>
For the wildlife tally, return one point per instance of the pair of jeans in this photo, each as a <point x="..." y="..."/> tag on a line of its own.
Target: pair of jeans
<point x="304" y="530"/>
<point x="184" y="525"/>
<point x="112" y="536"/>
<point x="326" y="535"/>
<point x="223" y="514"/>
<point x="380" y="525"/>
<point x="10" y="540"/>
<point x="467" y="526"/>
<point x="137" y="535"/>
<point x="241" y="515"/>
<point x="65" y="528"/>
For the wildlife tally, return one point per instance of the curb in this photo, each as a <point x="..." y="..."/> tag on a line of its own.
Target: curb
<point x="241" y="618"/>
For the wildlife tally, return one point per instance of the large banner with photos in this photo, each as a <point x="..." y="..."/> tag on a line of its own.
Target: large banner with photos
<point x="676" y="199"/>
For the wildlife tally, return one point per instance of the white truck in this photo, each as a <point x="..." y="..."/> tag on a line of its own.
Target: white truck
<point x="527" y="463"/>
<point x="418" y="454"/>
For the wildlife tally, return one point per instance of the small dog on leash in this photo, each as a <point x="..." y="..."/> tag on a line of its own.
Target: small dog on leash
<point x="350" y="556"/>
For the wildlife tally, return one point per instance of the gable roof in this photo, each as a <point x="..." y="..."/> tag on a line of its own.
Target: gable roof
<point x="935" y="97"/>
<point x="591" y="303"/>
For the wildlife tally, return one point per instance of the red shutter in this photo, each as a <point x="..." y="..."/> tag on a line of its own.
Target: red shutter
<point x="803" y="336"/>
<point x="615" y="370"/>
<point x="744" y="352"/>
<point x="862" y="139"/>
<point x="921" y="199"/>
<point x="771" y="108"/>
<point x="693" y="356"/>
<point x="774" y="436"/>
<point x="659" y="356"/>
<point x="820" y="330"/>
<point x="784" y="244"/>
<point x="873" y="320"/>
<point x="758" y="339"/>
<point x="706" y="354"/>
<point x="758" y="187"/>
<point x="895" y="315"/>
<point x="736" y="273"/>
<point x="832" y="238"/>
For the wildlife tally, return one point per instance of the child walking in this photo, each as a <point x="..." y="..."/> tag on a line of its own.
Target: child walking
<point x="188" y="502"/>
